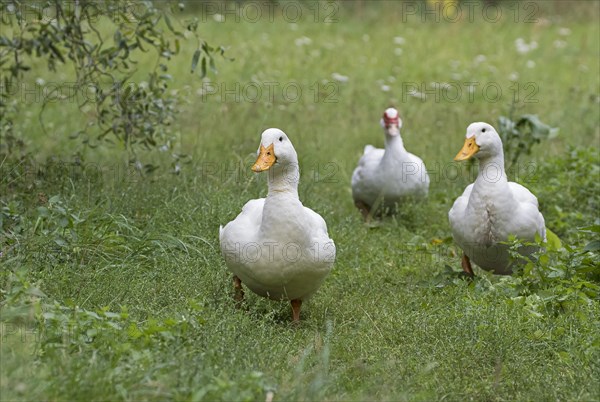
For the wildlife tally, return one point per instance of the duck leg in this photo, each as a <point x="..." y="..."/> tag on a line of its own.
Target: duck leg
<point x="364" y="210"/>
<point x="466" y="265"/>
<point x="296" y="304"/>
<point x="239" y="291"/>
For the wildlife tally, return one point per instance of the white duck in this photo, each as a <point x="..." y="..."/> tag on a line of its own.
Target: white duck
<point x="276" y="246"/>
<point x="384" y="177"/>
<point x="492" y="208"/>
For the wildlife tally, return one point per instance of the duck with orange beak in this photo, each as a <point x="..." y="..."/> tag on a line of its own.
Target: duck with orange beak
<point x="276" y="246"/>
<point x="492" y="209"/>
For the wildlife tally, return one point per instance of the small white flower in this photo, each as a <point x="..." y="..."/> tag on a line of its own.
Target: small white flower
<point x="399" y="40"/>
<point x="564" y="31"/>
<point x="391" y="79"/>
<point x="304" y="40"/>
<point x="480" y="58"/>
<point x="386" y="88"/>
<point x="164" y="148"/>
<point x="514" y="76"/>
<point x="530" y="64"/>
<point x="524" y="47"/>
<point x="560" y="44"/>
<point x="339" y="77"/>
<point x="398" y="51"/>
<point x="143" y="85"/>
<point x="416" y="94"/>
<point x="293" y="26"/>
<point x="40" y="81"/>
<point x="219" y="17"/>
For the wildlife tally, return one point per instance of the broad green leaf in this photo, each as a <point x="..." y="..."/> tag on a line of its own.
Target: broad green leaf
<point x="552" y="240"/>
<point x="594" y="245"/>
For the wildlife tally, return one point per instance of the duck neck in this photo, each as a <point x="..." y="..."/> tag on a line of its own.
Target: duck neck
<point x="491" y="171"/>
<point x="284" y="180"/>
<point x="394" y="145"/>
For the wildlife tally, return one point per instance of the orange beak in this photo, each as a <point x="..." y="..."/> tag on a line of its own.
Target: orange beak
<point x="266" y="159"/>
<point x="468" y="150"/>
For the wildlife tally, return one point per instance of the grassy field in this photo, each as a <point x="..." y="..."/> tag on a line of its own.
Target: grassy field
<point x="114" y="288"/>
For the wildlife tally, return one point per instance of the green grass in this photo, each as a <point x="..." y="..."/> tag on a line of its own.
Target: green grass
<point x="390" y="322"/>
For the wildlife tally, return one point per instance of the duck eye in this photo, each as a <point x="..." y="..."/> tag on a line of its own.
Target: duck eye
<point x="483" y="130"/>
<point x="280" y="138"/>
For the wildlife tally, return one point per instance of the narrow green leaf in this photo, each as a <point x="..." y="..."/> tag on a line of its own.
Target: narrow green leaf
<point x="195" y="59"/>
<point x="203" y="67"/>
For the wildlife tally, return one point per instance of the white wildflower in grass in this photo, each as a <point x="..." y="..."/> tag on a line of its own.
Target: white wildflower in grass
<point x="219" y="17"/>
<point x="391" y="79"/>
<point x="399" y="40"/>
<point x="304" y="40"/>
<point x="164" y="148"/>
<point x="560" y="44"/>
<point x="206" y="89"/>
<point x="524" y="47"/>
<point x="40" y="81"/>
<point x="143" y="85"/>
<point x="386" y="88"/>
<point x="398" y="51"/>
<point x="530" y="64"/>
<point x="416" y="94"/>
<point x="480" y="58"/>
<point x="456" y="76"/>
<point x="514" y="76"/>
<point x="339" y="77"/>
<point x="293" y="26"/>
<point x="564" y="31"/>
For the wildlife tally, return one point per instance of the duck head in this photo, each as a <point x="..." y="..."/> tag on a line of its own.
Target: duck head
<point x="482" y="141"/>
<point x="391" y="122"/>
<point x="275" y="151"/>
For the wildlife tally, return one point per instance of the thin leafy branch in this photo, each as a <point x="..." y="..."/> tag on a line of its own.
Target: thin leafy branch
<point x="67" y="34"/>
